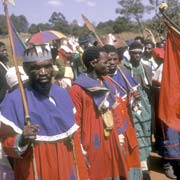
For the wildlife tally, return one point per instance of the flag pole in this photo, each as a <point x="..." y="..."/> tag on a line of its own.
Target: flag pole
<point x="27" y="117"/>
<point x="92" y="29"/>
<point x="169" y="22"/>
<point x="24" y="100"/>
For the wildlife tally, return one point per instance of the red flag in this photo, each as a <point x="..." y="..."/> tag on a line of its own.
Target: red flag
<point x="170" y="85"/>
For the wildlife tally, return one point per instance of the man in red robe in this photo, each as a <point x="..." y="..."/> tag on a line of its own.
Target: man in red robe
<point x="56" y="153"/>
<point x="124" y="86"/>
<point x="94" y="102"/>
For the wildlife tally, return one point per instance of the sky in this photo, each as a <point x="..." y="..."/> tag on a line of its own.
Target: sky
<point x="39" y="11"/>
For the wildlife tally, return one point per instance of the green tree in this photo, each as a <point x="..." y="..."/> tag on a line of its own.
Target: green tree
<point x="173" y="10"/>
<point x="33" y="28"/>
<point x="132" y="10"/>
<point x="74" y="28"/>
<point x="58" y="22"/>
<point x="154" y="6"/>
<point x="20" y="23"/>
<point x="122" y="24"/>
<point x="39" y="27"/>
<point x="156" y="23"/>
<point x="3" y="28"/>
<point x="105" y="27"/>
<point x="84" y="33"/>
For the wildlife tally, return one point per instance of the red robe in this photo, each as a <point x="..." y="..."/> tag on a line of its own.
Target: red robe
<point x="52" y="149"/>
<point x="123" y="120"/>
<point x="54" y="160"/>
<point x="103" y="153"/>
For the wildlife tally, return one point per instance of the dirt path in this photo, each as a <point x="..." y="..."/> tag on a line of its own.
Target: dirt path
<point x="156" y="170"/>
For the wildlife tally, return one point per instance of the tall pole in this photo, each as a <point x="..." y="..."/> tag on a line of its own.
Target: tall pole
<point x="92" y="29"/>
<point x="27" y="117"/>
<point x="24" y="100"/>
<point x="170" y="23"/>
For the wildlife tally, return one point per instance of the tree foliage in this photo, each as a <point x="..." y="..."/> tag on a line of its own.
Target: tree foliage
<point x="39" y="27"/>
<point x="132" y="18"/>
<point x="122" y="24"/>
<point x="20" y="23"/>
<point x="173" y="11"/>
<point x="58" y="22"/>
<point x="75" y="28"/>
<point x="132" y="10"/>
<point x="3" y="28"/>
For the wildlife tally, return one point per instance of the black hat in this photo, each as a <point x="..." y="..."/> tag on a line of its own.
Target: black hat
<point x="135" y="46"/>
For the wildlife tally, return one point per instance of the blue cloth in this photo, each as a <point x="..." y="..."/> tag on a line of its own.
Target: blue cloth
<point x="120" y="79"/>
<point x="52" y="119"/>
<point x="18" y="43"/>
<point x="99" y="94"/>
<point x="169" y="146"/>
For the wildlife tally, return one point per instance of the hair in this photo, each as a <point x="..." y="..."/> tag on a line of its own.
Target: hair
<point x="90" y="54"/>
<point x="121" y="51"/>
<point x="149" y="42"/>
<point x="110" y="48"/>
<point x="135" y="45"/>
<point x="158" y="44"/>
<point x="139" y="38"/>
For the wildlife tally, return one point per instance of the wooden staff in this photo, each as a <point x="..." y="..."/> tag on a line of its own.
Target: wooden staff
<point x="169" y="22"/>
<point x="75" y="158"/>
<point x="92" y="29"/>
<point x="150" y="34"/>
<point x="24" y="100"/>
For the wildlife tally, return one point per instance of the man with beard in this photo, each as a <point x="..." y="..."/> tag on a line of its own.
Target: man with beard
<point x="3" y="69"/>
<point x="94" y="101"/>
<point x="56" y="151"/>
<point x="147" y="57"/>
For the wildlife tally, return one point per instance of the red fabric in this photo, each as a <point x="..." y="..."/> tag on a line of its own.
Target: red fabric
<point x="158" y="53"/>
<point x="178" y="108"/>
<point x="104" y="154"/>
<point x="64" y="56"/>
<point x="8" y="143"/>
<point x="131" y="144"/>
<point x="170" y="85"/>
<point x="53" y="161"/>
<point x="122" y="114"/>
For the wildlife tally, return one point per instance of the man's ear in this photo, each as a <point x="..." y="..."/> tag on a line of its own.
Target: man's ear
<point x="93" y="63"/>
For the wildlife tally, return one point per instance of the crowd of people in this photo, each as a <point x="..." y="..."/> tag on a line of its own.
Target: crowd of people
<point x="92" y="112"/>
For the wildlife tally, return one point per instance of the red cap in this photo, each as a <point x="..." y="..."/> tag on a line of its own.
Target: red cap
<point x="159" y="53"/>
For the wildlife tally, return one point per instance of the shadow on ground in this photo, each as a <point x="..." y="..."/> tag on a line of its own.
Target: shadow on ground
<point x="155" y="163"/>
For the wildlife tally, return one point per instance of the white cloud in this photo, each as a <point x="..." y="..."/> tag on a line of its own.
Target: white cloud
<point x="87" y="2"/>
<point x="81" y="1"/>
<point x="55" y="3"/>
<point x="91" y="4"/>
